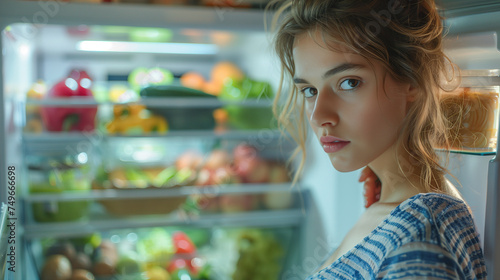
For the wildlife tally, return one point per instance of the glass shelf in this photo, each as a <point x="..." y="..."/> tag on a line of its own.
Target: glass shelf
<point x="265" y="218"/>
<point x="110" y="194"/>
<point x="51" y="137"/>
<point x="164" y="102"/>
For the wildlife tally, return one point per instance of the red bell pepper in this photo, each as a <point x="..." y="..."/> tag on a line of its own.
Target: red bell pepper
<point x="77" y="84"/>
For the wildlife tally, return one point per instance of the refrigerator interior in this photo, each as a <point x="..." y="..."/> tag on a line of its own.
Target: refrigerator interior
<point x="48" y="52"/>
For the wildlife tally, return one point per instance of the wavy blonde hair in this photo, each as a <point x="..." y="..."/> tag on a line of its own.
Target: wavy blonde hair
<point x="406" y="39"/>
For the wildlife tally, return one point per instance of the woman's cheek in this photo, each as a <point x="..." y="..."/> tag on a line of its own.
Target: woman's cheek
<point x="309" y="110"/>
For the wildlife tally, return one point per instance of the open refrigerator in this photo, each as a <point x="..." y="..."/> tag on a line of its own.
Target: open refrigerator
<point x="265" y="226"/>
<point x="169" y="180"/>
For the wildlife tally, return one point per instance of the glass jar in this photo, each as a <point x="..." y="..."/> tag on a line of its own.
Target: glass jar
<point x="472" y="112"/>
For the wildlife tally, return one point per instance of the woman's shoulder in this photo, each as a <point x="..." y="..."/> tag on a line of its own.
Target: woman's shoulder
<point x="442" y="222"/>
<point x="442" y="210"/>
<point x="445" y="214"/>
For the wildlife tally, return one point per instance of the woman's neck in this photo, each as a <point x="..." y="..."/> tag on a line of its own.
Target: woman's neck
<point x="400" y="178"/>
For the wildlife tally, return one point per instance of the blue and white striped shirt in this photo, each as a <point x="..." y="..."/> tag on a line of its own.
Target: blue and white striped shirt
<point x="429" y="236"/>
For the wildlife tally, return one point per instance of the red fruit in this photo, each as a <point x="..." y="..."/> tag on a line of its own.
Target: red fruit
<point x="77" y="84"/>
<point x="253" y="170"/>
<point x="176" y="264"/>
<point x="183" y="243"/>
<point x="244" y="152"/>
<point x="192" y="266"/>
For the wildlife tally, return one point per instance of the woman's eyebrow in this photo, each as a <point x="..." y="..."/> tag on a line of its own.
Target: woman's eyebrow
<point x="341" y="68"/>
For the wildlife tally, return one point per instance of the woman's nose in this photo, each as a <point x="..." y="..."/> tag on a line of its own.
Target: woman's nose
<point x="324" y="110"/>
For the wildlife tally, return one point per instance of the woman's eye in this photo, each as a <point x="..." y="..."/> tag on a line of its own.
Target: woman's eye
<point x="309" y="92"/>
<point x="349" y="84"/>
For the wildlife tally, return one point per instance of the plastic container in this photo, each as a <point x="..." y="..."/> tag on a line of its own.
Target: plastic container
<point x="472" y="110"/>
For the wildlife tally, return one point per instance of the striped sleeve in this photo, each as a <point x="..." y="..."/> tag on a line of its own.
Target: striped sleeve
<point x="420" y="260"/>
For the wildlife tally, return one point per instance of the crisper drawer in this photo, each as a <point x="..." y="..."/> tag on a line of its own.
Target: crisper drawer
<point x="167" y="252"/>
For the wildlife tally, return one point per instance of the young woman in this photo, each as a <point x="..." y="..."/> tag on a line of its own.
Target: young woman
<point x="365" y="75"/>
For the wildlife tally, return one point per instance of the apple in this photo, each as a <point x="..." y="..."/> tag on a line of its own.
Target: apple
<point x="278" y="200"/>
<point x="217" y="159"/>
<point x="190" y="159"/>
<point x="220" y="176"/>
<point x="278" y="173"/>
<point x="253" y="170"/>
<point x="244" y="151"/>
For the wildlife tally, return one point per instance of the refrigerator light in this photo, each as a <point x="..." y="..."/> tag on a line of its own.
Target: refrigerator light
<point x="146" y="47"/>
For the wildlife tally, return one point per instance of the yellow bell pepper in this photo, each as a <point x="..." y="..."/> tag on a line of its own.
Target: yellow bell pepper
<point x="134" y="118"/>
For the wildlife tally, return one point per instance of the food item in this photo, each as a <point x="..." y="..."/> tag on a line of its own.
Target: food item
<point x="217" y="170"/>
<point x="225" y="70"/>
<point x="33" y="113"/>
<point x="57" y="176"/>
<point x="56" y="267"/>
<point x="218" y="158"/>
<point x="181" y="274"/>
<point x="472" y="118"/>
<point x="148" y="34"/>
<point x="81" y="261"/>
<point x="157" y="247"/>
<point x="233" y="203"/>
<point x="181" y="118"/>
<point x="157" y="273"/>
<point x="249" y="166"/>
<point x="77" y="84"/>
<point x="221" y="118"/>
<point x="242" y="117"/>
<point x="182" y="243"/>
<point x="172" y="91"/>
<point x="105" y="259"/>
<point x="260" y="256"/>
<point x="193" y="80"/>
<point x="62" y="248"/>
<point x="134" y="177"/>
<point x="143" y="77"/>
<point x="189" y="160"/>
<point x="128" y="264"/>
<point x="278" y="200"/>
<point x="135" y="119"/>
<point x="81" y="274"/>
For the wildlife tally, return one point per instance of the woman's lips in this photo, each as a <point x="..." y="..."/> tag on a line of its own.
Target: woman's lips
<point x="332" y="144"/>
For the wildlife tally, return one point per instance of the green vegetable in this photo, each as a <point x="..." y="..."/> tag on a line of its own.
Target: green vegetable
<point x="239" y="90"/>
<point x="138" y="178"/>
<point x="157" y="245"/>
<point x="173" y="91"/>
<point x="164" y="176"/>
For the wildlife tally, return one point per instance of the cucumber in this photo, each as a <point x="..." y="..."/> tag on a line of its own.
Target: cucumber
<point x="173" y="91"/>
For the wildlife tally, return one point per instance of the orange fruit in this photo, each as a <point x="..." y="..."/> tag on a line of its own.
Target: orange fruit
<point x="193" y="80"/>
<point x="212" y="88"/>
<point x="223" y="70"/>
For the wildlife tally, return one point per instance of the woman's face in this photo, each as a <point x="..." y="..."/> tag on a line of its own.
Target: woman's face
<point x="353" y="107"/>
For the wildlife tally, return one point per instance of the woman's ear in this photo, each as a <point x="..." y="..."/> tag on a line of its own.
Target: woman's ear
<point x="411" y="93"/>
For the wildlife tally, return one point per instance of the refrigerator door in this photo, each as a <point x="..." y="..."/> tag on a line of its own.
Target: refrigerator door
<point x="473" y="28"/>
